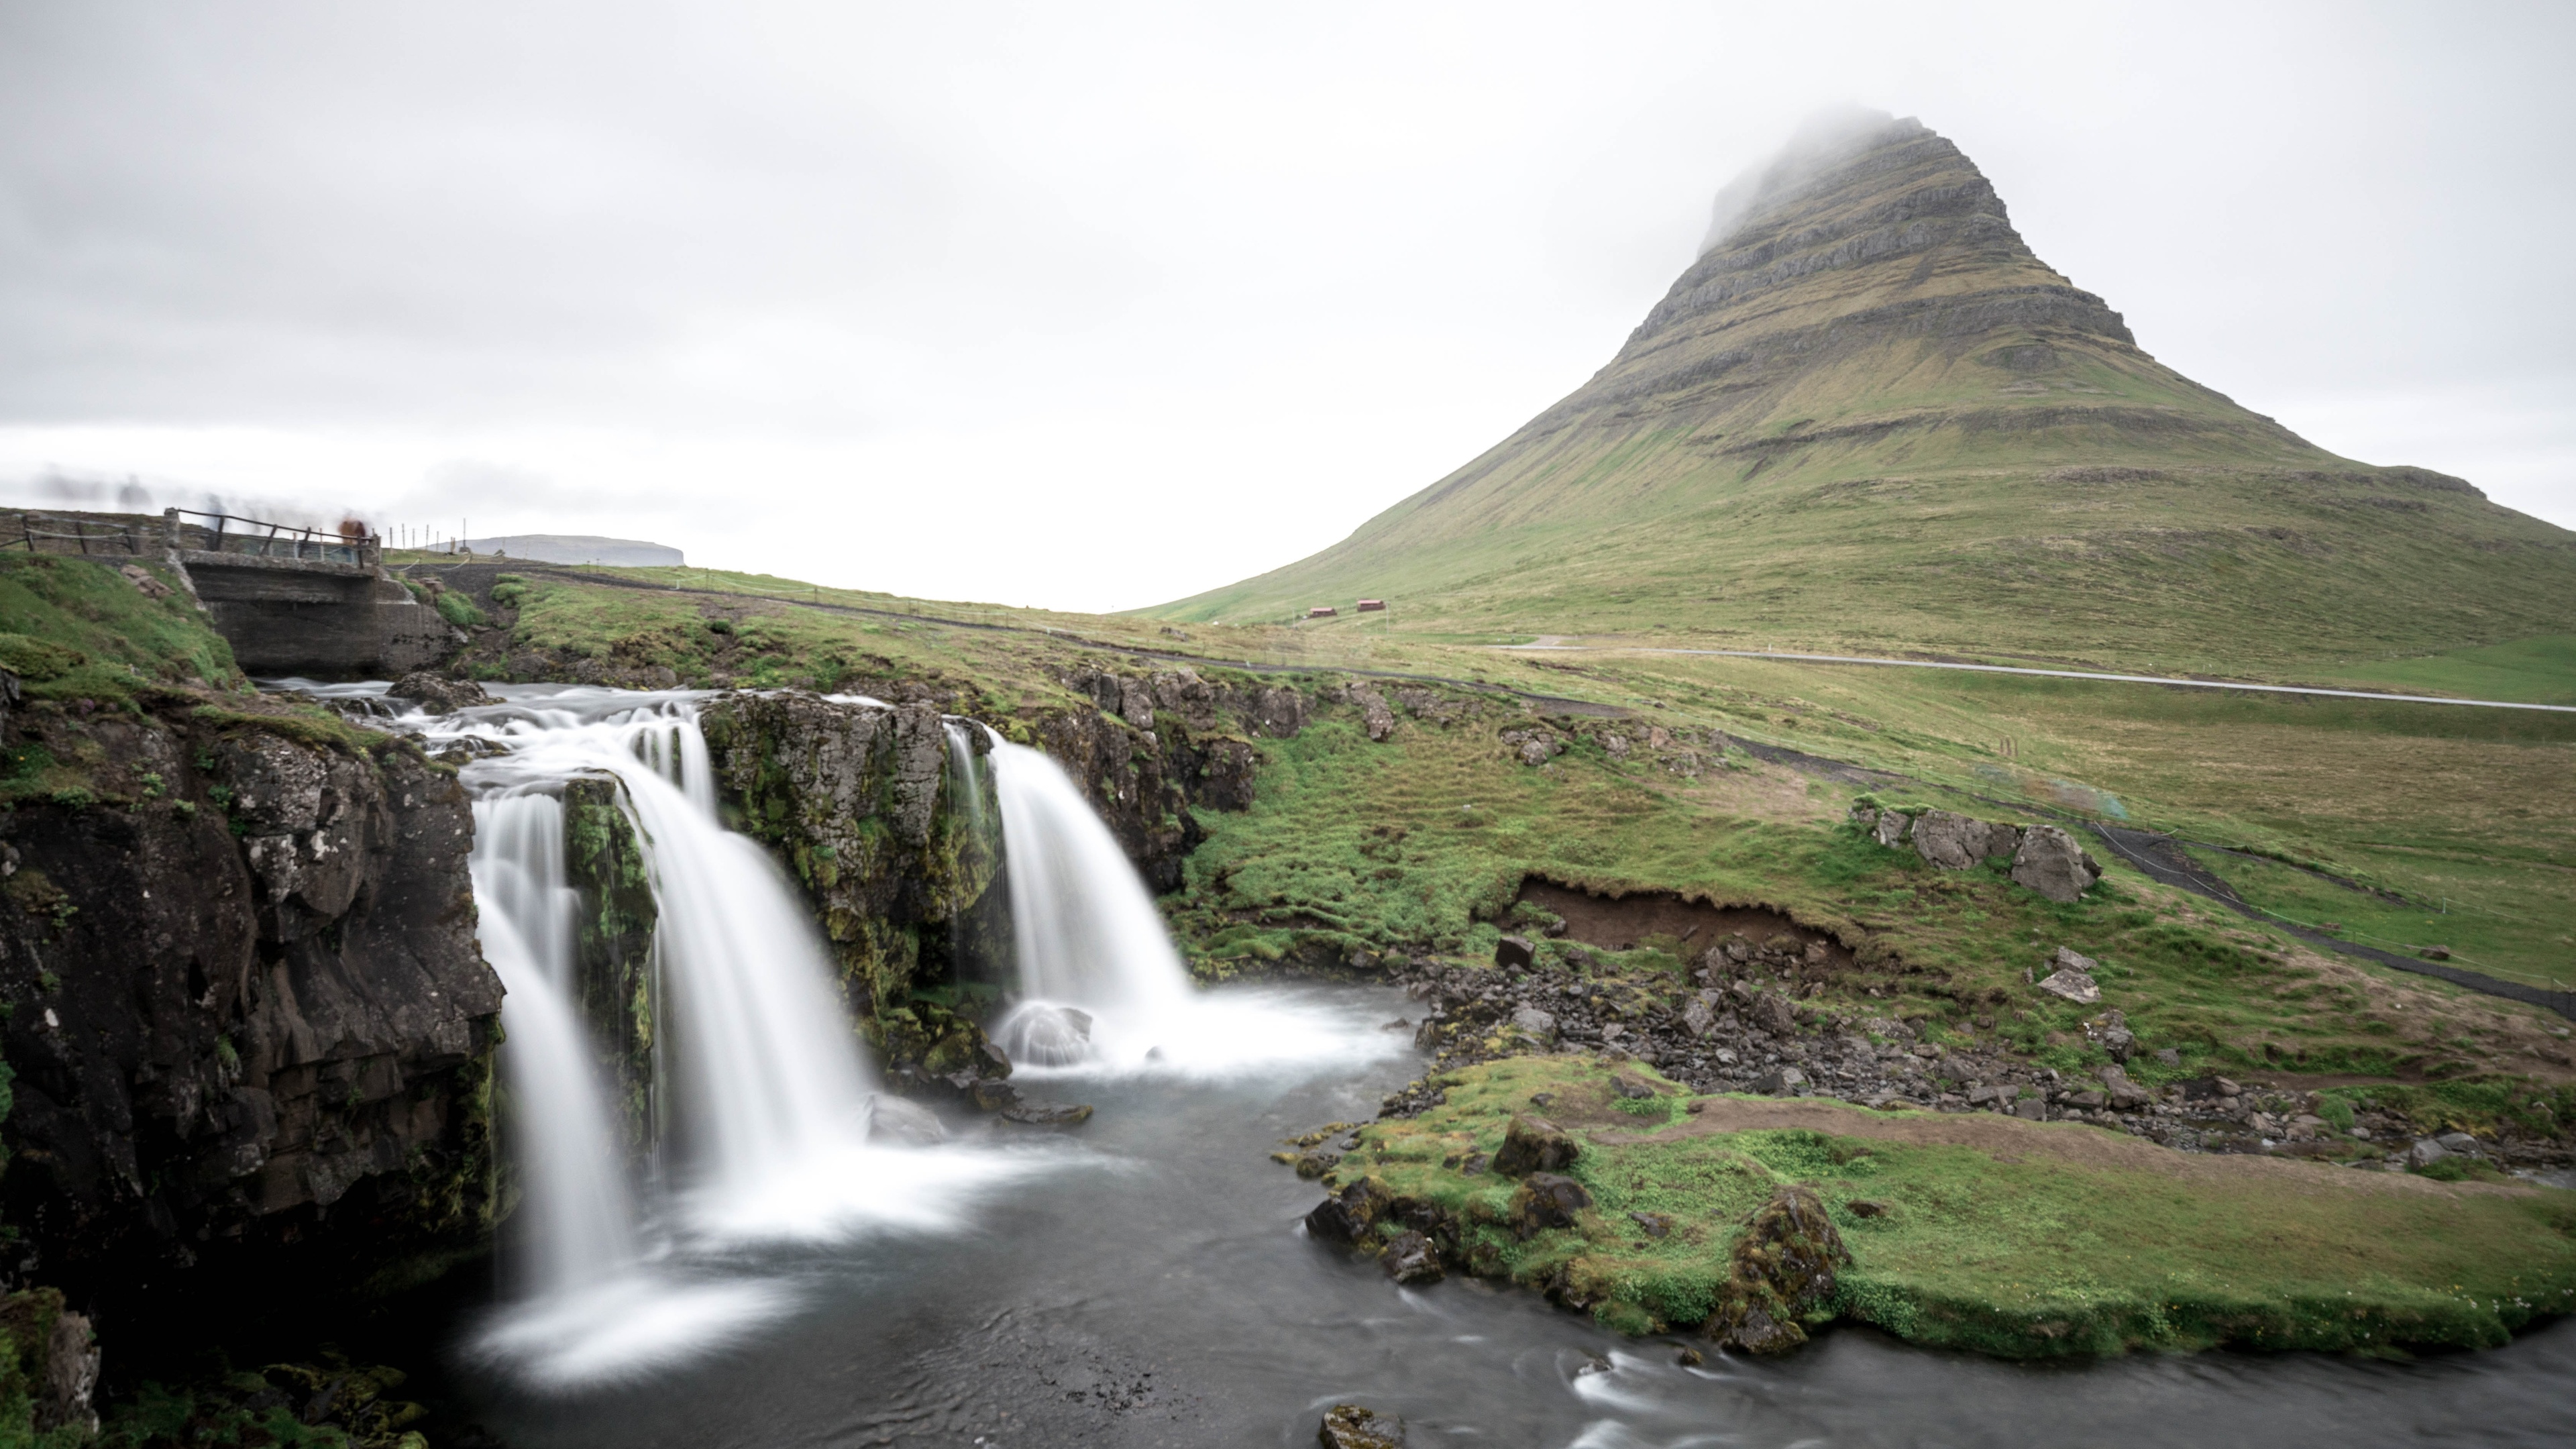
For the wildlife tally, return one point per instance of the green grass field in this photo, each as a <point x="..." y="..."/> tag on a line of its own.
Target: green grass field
<point x="1420" y="841"/>
<point x="2003" y="1237"/>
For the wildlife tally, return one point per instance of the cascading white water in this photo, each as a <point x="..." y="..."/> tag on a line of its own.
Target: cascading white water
<point x="582" y="1229"/>
<point x="773" y="1086"/>
<point x="965" y="774"/>
<point x="769" y="1070"/>
<point x="1087" y="934"/>
<point x="1100" y="984"/>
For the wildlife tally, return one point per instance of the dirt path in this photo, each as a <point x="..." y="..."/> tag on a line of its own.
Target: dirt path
<point x="1555" y="642"/>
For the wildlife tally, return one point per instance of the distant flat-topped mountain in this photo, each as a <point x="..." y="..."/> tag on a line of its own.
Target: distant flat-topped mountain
<point x="578" y="548"/>
<point x="1868" y="415"/>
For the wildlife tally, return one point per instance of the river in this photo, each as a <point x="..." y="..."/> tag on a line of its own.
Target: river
<point x="1153" y="1287"/>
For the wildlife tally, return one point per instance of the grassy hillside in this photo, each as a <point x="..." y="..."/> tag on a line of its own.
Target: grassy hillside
<point x="2440" y="818"/>
<point x="1871" y="418"/>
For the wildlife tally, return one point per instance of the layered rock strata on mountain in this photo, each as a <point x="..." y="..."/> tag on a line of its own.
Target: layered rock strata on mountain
<point x="245" y="1008"/>
<point x="1868" y="411"/>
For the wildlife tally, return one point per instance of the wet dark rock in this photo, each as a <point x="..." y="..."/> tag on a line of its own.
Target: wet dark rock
<point x="1410" y="1258"/>
<point x="1781" y="1268"/>
<point x="437" y="694"/>
<point x="1534" y="1144"/>
<point x="1545" y="1200"/>
<point x="252" y="995"/>
<point x="1031" y="1113"/>
<point x="1348" y="1426"/>
<point x="1347" y="1216"/>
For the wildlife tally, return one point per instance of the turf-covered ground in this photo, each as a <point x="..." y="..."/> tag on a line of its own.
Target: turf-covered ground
<point x="1978" y="1231"/>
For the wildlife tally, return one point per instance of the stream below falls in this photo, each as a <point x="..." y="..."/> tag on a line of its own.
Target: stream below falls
<point x="1154" y="1287"/>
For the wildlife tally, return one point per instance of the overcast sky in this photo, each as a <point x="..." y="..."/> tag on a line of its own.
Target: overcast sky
<point x="1094" y="306"/>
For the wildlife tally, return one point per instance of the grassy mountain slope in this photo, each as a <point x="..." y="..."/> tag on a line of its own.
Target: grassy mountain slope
<point x="1868" y="416"/>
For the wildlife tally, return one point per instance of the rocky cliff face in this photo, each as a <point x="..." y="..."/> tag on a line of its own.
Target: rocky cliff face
<point x="244" y="1005"/>
<point x="906" y="873"/>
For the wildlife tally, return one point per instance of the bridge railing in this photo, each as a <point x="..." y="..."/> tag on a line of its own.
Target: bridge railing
<point x="112" y="536"/>
<point x="231" y="533"/>
<point x="133" y="535"/>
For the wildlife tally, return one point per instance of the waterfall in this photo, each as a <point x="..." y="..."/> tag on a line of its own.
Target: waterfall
<point x="1099" y="979"/>
<point x="582" y="1230"/>
<point x="966" y="776"/>
<point x="771" y="1108"/>
<point x="1101" y="986"/>
<point x="767" y="1067"/>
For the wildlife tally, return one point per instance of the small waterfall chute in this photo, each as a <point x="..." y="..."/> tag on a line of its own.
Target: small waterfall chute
<point x="1101" y="986"/>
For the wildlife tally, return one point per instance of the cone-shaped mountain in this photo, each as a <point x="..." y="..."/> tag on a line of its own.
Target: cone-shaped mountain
<point x="1868" y="416"/>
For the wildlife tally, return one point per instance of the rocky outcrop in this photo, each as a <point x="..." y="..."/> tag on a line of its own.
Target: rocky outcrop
<point x="245" y="1006"/>
<point x="613" y="947"/>
<point x="2051" y="863"/>
<point x="1348" y="1426"/>
<point x="436" y="693"/>
<point x="1956" y="842"/>
<point x="2044" y="858"/>
<point x="1781" y="1269"/>
<point x="858" y="799"/>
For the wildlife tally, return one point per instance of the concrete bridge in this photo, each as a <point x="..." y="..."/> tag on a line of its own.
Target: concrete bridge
<point x="289" y="599"/>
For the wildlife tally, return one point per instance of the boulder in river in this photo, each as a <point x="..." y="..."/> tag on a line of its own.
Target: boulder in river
<point x="1029" y="1112"/>
<point x="1348" y="1426"/>
<point x="1534" y="1144"/>
<point x="1410" y="1258"/>
<point x="1543" y="1201"/>
<point x="2051" y="863"/>
<point x="1347" y="1216"/>
<point x="437" y="694"/>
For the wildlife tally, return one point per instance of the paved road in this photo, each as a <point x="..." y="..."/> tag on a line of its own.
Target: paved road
<point x="1545" y="644"/>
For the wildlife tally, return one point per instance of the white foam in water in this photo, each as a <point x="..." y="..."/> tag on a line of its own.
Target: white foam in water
<point x="1090" y="939"/>
<point x="627" y="1326"/>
